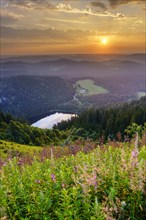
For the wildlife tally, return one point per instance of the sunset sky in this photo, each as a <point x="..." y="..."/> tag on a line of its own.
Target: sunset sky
<point x="72" y="26"/>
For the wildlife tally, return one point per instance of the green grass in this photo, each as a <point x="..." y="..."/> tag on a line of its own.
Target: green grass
<point x="89" y="87"/>
<point x="13" y="149"/>
<point x="107" y="183"/>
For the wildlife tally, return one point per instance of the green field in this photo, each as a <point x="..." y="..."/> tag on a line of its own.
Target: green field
<point x="11" y="149"/>
<point x="87" y="88"/>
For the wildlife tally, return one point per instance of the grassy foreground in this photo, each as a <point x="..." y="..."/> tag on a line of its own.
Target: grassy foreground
<point x="106" y="183"/>
<point x="11" y="149"/>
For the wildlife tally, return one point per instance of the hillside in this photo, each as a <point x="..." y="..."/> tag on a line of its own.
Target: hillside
<point x="30" y="96"/>
<point x="108" y="182"/>
<point x="106" y="122"/>
<point x="11" y="149"/>
<point x="96" y="177"/>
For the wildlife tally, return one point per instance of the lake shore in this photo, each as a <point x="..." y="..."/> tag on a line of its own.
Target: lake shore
<point x="38" y="117"/>
<point x="50" y="120"/>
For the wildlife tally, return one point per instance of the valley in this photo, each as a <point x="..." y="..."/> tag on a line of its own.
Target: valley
<point x="36" y="86"/>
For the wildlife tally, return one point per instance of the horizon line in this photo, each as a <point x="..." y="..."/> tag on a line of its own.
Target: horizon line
<point x="71" y="54"/>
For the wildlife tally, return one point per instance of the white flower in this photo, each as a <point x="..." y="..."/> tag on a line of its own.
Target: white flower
<point x="123" y="203"/>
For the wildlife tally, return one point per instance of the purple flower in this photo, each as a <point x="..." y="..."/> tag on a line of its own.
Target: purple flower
<point x="134" y="153"/>
<point x="53" y="177"/>
<point x="63" y="185"/>
<point x="19" y="163"/>
<point x="37" y="181"/>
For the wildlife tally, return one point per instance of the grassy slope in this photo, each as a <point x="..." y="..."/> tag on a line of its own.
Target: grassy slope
<point x="107" y="183"/>
<point x="91" y="88"/>
<point x="13" y="149"/>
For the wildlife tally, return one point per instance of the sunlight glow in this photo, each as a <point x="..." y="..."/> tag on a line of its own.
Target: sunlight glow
<point x="104" y="41"/>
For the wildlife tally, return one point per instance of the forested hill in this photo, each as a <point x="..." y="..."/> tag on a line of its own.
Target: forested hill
<point x="29" y="96"/>
<point x="107" y="122"/>
<point x="19" y="131"/>
<point x="92" y="123"/>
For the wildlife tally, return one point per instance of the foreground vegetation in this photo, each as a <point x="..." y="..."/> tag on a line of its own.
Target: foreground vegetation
<point x="11" y="149"/>
<point x="99" y="182"/>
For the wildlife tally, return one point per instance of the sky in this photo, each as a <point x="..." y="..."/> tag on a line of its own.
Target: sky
<point x="36" y="27"/>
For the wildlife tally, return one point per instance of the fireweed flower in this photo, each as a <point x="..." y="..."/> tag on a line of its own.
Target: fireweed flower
<point x="37" y="181"/>
<point x="63" y="185"/>
<point x="91" y="179"/>
<point x="94" y="180"/>
<point x="134" y="153"/>
<point x="53" y="177"/>
<point x="134" y="157"/>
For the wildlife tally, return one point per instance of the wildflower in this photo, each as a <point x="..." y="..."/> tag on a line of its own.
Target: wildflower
<point x="53" y="177"/>
<point x="134" y="153"/>
<point x="105" y="209"/>
<point x="4" y="218"/>
<point x="134" y="164"/>
<point x="115" y="209"/>
<point x="19" y="163"/>
<point x="123" y="203"/>
<point x="63" y="185"/>
<point x="1" y="163"/>
<point x="37" y="181"/>
<point x="91" y="180"/>
<point x="111" y="209"/>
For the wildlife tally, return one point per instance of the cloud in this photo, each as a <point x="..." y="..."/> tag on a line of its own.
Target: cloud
<point x="49" y="35"/>
<point x="115" y="3"/>
<point x="66" y="7"/>
<point x="88" y="11"/>
<point x="47" y="4"/>
<point x="63" y="20"/>
<point x="10" y="17"/>
<point x="32" y="4"/>
<point x="99" y="4"/>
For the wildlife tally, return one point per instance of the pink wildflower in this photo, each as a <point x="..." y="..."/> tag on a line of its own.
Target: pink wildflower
<point x="134" y="153"/>
<point x="53" y="177"/>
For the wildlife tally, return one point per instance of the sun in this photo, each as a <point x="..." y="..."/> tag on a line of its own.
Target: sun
<point x="104" y="41"/>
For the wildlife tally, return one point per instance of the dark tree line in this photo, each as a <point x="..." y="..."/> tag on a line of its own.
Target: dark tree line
<point x="107" y="122"/>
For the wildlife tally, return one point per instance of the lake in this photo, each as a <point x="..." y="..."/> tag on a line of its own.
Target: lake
<point x="51" y="120"/>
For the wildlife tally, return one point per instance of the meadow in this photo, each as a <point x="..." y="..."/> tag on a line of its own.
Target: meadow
<point x="87" y="88"/>
<point x="11" y="149"/>
<point x="86" y="181"/>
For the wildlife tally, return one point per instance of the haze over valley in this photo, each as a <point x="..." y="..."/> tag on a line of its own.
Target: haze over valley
<point x="35" y="86"/>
